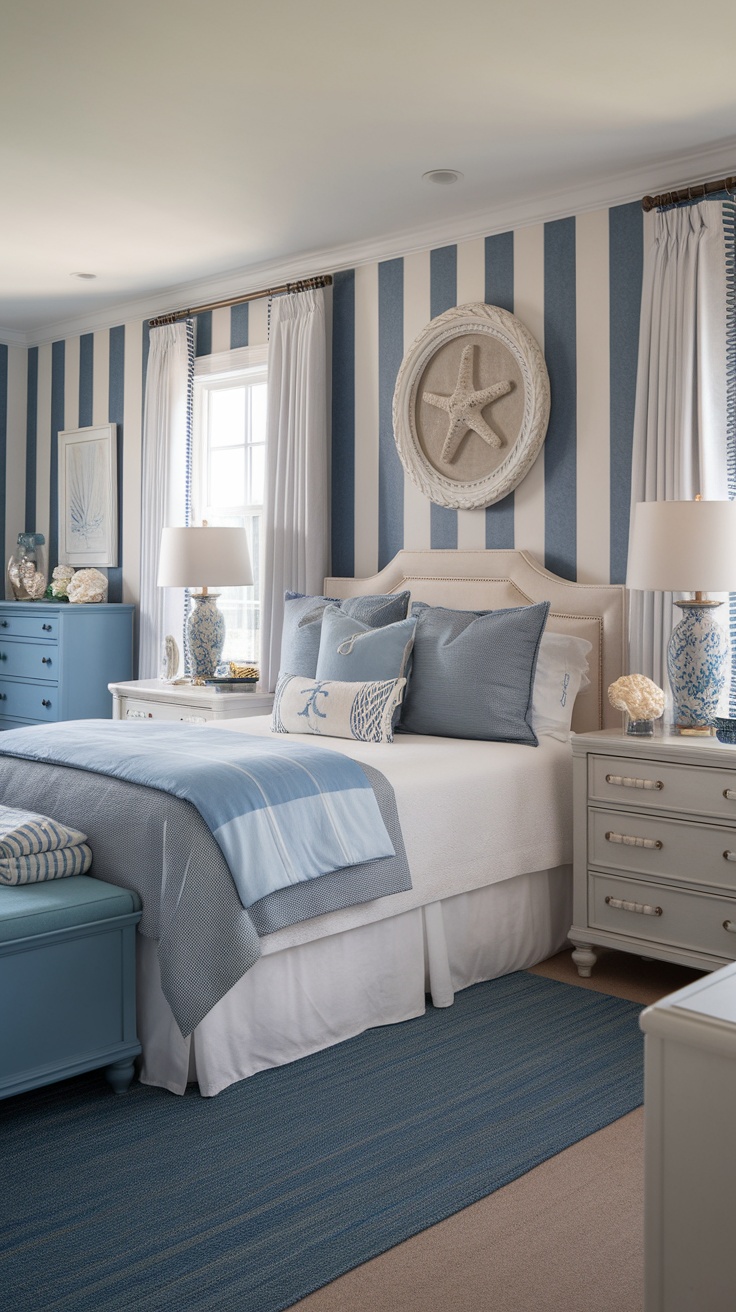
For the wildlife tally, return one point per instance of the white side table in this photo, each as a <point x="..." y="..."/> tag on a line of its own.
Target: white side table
<point x="690" y="1147"/>
<point x="149" y="699"/>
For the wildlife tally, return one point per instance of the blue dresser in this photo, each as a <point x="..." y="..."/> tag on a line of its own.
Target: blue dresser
<point x="56" y="660"/>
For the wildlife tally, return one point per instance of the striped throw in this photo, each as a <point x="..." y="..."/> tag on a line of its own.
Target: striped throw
<point x="56" y="864"/>
<point x="23" y="833"/>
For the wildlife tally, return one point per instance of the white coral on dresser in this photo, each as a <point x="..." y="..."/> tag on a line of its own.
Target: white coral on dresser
<point x="638" y="696"/>
<point x="88" y="585"/>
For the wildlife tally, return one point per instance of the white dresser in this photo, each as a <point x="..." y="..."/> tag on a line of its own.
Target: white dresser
<point x="690" y="1147"/>
<point x="654" y="848"/>
<point x="150" y="699"/>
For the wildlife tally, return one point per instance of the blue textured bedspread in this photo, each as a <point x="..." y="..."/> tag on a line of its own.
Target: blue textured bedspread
<point x="281" y="813"/>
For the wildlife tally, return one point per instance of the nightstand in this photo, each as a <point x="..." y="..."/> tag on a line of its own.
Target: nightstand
<point x="149" y="699"/>
<point x="654" y="857"/>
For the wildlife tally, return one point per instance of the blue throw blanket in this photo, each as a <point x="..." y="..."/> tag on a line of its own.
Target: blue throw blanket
<point x="281" y="812"/>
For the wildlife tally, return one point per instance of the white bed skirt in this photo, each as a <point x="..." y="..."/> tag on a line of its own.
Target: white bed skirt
<point x="316" y="994"/>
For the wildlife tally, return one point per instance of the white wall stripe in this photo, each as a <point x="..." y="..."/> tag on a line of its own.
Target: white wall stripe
<point x="71" y="382"/>
<point x="529" y="307"/>
<point x="133" y="398"/>
<point x="258" y="322"/>
<point x="417" y="523"/>
<point x="101" y="378"/>
<point x="366" y="420"/>
<point x="593" y="397"/>
<point x="221" y="330"/>
<point x="43" y="443"/>
<point x="471" y="286"/>
<point x="15" y="472"/>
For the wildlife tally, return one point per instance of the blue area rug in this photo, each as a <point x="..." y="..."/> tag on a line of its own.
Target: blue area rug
<point x="253" y="1199"/>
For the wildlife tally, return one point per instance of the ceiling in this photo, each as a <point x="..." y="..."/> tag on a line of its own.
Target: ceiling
<point x="157" y="143"/>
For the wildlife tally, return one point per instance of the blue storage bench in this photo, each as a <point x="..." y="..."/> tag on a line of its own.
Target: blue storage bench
<point x="67" y="982"/>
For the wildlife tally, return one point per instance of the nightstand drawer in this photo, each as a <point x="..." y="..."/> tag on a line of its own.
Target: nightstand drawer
<point x="133" y="709"/>
<point x="28" y="701"/>
<point x="662" y="785"/>
<point x="657" y="914"/>
<point x="656" y="845"/>
<point x="29" y="660"/>
<point x="28" y="626"/>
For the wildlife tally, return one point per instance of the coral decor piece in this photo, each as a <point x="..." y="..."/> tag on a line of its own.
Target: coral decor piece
<point x="60" y="580"/>
<point x="87" y="586"/>
<point x="640" y="698"/>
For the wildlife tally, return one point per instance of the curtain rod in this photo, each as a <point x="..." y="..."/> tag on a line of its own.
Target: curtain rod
<point x="697" y="191"/>
<point x="303" y="285"/>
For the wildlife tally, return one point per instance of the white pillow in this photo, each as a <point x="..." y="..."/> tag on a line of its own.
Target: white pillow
<point x="562" y="665"/>
<point x="363" y="711"/>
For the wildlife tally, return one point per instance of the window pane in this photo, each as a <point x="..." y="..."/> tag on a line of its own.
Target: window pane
<point x="258" y="412"/>
<point x="227" y="476"/>
<point x="257" y="471"/>
<point x="240" y="606"/>
<point x="227" y="415"/>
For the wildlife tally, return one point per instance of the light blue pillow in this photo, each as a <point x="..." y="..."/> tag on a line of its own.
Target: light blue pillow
<point x="303" y="624"/>
<point x="333" y="709"/>
<point x="473" y="673"/>
<point x="353" y="652"/>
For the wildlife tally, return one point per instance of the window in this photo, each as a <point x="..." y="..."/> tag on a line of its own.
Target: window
<point x="228" y="469"/>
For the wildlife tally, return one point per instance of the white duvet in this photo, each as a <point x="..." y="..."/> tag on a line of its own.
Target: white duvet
<point x="472" y="813"/>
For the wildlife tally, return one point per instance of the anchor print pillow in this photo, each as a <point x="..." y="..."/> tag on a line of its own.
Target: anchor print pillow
<point x="333" y="709"/>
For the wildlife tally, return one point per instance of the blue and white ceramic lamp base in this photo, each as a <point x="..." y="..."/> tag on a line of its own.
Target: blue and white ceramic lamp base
<point x="205" y="634"/>
<point x="697" y="664"/>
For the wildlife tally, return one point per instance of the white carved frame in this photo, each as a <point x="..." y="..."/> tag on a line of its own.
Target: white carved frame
<point x="457" y="322"/>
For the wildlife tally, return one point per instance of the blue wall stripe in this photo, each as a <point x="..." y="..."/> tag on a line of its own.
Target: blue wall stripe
<point x="3" y="439"/>
<point x="58" y="355"/>
<point x="390" y="355"/>
<point x="86" y="376"/>
<point x="560" y="458"/>
<point x="31" y="438"/>
<point x="500" y="291"/>
<point x="442" y="296"/>
<point x="343" y="424"/>
<point x="626" y="268"/>
<point x="238" y="325"/>
<point x="116" y="415"/>
<point x="203" y="333"/>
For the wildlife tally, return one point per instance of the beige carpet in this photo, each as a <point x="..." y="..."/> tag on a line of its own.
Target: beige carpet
<point x="566" y="1237"/>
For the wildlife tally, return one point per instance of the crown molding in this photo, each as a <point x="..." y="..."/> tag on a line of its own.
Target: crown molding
<point x="616" y="189"/>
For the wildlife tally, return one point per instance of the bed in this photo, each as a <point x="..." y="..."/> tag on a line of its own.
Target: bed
<point x="487" y="829"/>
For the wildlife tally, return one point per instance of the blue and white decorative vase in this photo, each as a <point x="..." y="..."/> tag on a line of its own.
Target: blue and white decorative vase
<point x="697" y="663"/>
<point x="206" y="634"/>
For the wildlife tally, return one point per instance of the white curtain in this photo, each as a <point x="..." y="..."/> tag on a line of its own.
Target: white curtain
<point x="296" y="510"/>
<point x="164" y="484"/>
<point x="680" y="418"/>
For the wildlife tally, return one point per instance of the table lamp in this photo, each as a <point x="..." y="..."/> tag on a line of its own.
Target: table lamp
<point x="689" y="546"/>
<point x="204" y="557"/>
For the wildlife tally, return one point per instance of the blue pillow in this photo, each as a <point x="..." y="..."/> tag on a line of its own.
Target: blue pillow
<point x="303" y="624"/>
<point x="473" y="673"/>
<point x="353" y="652"/>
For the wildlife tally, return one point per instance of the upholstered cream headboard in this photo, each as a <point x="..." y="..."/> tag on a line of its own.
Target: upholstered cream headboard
<point x="492" y="580"/>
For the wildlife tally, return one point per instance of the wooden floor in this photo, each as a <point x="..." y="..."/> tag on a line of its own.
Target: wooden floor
<point x="566" y="1237"/>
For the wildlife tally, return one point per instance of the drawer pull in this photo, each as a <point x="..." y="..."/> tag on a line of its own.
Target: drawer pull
<point x="3" y="655"/>
<point x="729" y="856"/>
<point x="641" y="908"/>
<point x="3" y="624"/>
<point x="624" y="781"/>
<point x="729" y="925"/>
<point x="3" y="696"/>
<point x="729" y="794"/>
<point x="45" y="660"/>
<point x="633" y="840"/>
<point x="46" y="628"/>
<point x="45" y="701"/>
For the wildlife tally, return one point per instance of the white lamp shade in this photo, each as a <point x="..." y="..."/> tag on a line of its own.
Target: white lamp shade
<point x="683" y="546"/>
<point x="204" y="558"/>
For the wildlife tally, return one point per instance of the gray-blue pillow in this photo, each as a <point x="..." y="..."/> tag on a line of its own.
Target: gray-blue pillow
<point x="473" y="673"/>
<point x="353" y="652"/>
<point x="303" y="624"/>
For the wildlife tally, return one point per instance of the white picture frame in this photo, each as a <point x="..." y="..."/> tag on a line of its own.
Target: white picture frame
<point x="88" y="496"/>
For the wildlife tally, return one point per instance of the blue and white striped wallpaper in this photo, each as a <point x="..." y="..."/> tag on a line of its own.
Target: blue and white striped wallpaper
<point x="575" y="283"/>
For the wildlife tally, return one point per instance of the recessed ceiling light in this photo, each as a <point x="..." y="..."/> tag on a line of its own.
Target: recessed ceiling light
<point x="443" y="177"/>
<point x="83" y="275"/>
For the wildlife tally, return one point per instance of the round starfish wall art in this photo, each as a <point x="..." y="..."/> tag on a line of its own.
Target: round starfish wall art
<point x="471" y="406"/>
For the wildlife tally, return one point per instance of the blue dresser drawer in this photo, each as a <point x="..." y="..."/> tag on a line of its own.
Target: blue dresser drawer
<point x="29" y="701"/>
<point x="24" y="625"/>
<point x="29" y="660"/>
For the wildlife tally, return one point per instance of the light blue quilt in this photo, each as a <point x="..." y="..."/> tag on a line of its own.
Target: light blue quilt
<point x="281" y="812"/>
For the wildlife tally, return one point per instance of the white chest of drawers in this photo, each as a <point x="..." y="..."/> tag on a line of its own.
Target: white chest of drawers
<point x="149" y="699"/>
<point x="654" y="848"/>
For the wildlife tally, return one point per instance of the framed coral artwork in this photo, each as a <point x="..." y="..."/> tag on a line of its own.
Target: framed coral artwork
<point x="88" y="496"/>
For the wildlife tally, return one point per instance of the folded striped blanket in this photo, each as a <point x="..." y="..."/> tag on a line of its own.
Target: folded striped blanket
<point x="34" y="847"/>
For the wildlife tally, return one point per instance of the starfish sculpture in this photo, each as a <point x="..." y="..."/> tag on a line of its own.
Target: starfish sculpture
<point x="465" y="406"/>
